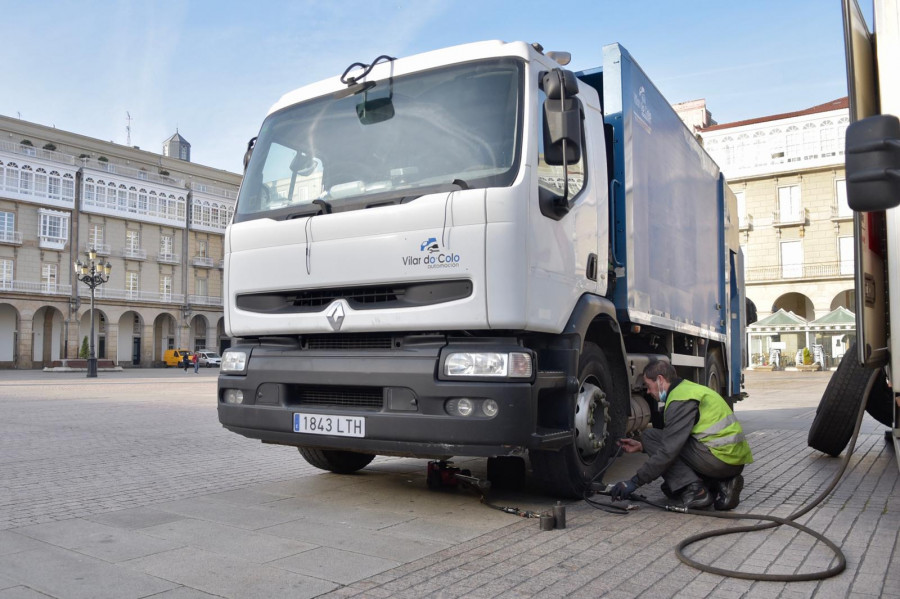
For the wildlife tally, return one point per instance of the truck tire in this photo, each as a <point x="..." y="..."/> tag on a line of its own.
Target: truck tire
<point x="880" y="404"/>
<point x="339" y="462"/>
<point x="835" y="419"/>
<point x="599" y="421"/>
<point x="714" y="373"/>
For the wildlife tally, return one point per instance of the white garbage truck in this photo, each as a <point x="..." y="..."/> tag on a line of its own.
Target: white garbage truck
<point x="474" y="252"/>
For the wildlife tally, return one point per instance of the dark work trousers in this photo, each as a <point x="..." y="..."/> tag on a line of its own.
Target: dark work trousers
<point x="693" y="463"/>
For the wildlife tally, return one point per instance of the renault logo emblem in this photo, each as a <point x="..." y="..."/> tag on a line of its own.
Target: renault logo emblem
<point x="335" y="316"/>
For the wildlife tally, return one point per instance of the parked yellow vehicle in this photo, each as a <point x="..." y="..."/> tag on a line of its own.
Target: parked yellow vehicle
<point x="175" y="357"/>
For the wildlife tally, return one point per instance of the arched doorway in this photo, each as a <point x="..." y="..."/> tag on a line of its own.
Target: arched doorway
<point x="845" y="299"/>
<point x="84" y="331"/>
<point x="47" y="332"/>
<point x="129" y="346"/>
<point x="199" y="330"/>
<point x="9" y="336"/>
<point x="223" y="341"/>
<point x="797" y="303"/>
<point x="164" y="327"/>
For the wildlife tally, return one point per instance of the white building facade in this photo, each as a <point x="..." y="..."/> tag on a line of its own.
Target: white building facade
<point x="158" y="221"/>
<point x="787" y="172"/>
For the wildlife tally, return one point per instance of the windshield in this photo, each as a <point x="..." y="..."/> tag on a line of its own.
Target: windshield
<point x="455" y="127"/>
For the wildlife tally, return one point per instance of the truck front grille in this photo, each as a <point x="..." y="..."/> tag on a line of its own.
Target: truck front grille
<point x="337" y="397"/>
<point x="348" y="341"/>
<point x="367" y="297"/>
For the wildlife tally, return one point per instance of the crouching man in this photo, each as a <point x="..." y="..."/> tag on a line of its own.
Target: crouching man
<point x="701" y="451"/>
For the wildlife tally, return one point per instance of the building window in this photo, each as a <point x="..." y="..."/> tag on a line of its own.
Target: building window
<point x="759" y="149"/>
<point x="40" y="183"/>
<point x="54" y="186"/>
<point x="201" y="287"/>
<point x="132" y="242"/>
<point x="776" y="143"/>
<point x="828" y="137"/>
<point x="54" y="229"/>
<point x="165" y="288"/>
<point x="48" y="277"/>
<point x="791" y="259"/>
<point x="793" y="143"/>
<point x="6" y="273"/>
<point x="96" y="237"/>
<point x="789" y="204"/>
<point x="840" y="192"/>
<point x="845" y="247"/>
<point x="166" y="247"/>
<point x="8" y="226"/>
<point x="132" y="285"/>
<point x="741" y="207"/>
<point x="202" y="248"/>
<point x="810" y="141"/>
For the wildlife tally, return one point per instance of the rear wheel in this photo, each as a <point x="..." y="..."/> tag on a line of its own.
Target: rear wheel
<point x="836" y="416"/>
<point x="599" y="421"/>
<point x="333" y="460"/>
<point x="714" y="372"/>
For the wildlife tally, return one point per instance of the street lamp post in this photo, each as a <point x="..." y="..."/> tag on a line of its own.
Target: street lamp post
<point x="93" y="275"/>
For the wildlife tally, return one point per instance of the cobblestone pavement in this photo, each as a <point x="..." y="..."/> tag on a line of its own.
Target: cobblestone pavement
<point x="126" y="486"/>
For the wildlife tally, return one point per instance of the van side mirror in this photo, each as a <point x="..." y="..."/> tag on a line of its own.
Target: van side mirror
<point x="873" y="163"/>
<point x="562" y="118"/>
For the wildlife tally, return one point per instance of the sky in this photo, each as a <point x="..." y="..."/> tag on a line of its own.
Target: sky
<point x="212" y="69"/>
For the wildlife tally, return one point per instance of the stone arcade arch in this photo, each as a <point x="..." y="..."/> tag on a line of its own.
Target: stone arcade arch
<point x="101" y="339"/>
<point x="9" y="336"/>
<point x="164" y="335"/>
<point x="130" y="339"/>
<point x="797" y="303"/>
<point x="223" y="341"/>
<point x="47" y="336"/>
<point x="844" y="299"/>
<point x="199" y="334"/>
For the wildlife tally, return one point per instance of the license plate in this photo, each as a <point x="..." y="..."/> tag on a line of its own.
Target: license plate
<point x="329" y="424"/>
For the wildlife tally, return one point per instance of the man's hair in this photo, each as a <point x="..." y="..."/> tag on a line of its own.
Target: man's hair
<point x="657" y="368"/>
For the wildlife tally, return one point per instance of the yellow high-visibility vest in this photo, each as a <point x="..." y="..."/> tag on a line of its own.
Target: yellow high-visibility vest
<point x="717" y="427"/>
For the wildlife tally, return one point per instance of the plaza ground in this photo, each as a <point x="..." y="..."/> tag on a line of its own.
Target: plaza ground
<point x="126" y="486"/>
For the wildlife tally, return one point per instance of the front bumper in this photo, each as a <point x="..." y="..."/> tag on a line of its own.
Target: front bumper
<point x="404" y="402"/>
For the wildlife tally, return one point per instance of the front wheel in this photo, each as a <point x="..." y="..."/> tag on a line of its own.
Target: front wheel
<point x="599" y="421"/>
<point x="333" y="460"/>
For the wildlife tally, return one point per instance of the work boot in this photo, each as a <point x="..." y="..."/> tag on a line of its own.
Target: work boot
<point x="696" y="496"/>
<point x="728" y="492"/>
<point x="667" y="491"/>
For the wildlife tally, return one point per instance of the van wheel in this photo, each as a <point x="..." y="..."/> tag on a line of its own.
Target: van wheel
<point x="333" y="460"/>
<point x="599" y="418"/>
<point x="835" y="419"/>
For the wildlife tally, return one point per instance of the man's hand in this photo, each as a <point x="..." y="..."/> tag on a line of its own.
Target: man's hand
<point x="622" y="490"/>
<point x="630" y="445"/>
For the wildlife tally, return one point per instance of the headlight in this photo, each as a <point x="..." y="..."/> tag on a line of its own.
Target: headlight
<point x="493" y="364"/>
<point x="234" y="361"/>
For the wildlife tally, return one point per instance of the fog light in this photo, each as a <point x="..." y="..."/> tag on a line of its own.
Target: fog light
<point x="465" y="407"/>
<point x="490" y="408"/>
<point x="233" y="396"/>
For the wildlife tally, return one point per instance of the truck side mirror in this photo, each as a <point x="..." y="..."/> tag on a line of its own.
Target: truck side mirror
<point x="250" y="145"/>
<point x="562" y="118"/>
<point x="873" y="163"/>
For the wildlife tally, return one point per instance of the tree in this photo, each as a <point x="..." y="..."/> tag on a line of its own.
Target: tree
<point x="85" y="351"/>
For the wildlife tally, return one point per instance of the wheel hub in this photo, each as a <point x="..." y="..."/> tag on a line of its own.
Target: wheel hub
<point x="591" y="417"/>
